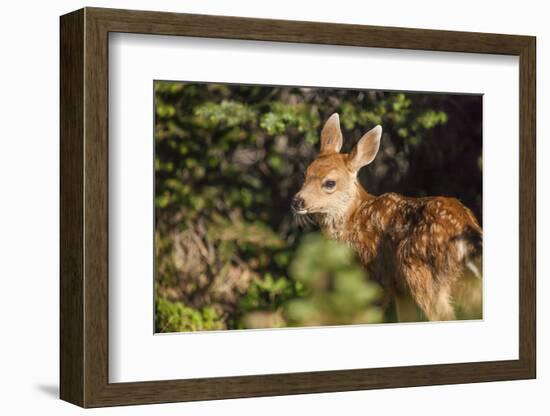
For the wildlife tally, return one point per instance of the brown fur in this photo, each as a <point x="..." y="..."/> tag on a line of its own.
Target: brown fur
<point x="414" y="247"/>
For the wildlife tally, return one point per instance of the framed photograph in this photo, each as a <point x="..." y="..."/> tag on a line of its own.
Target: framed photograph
<point x="256" y="207"/>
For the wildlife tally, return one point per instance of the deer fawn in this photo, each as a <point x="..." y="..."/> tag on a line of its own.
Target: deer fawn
<point x="418" y="249"/>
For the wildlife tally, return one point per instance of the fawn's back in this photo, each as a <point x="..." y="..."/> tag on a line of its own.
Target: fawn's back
<point x="415" y="247"/>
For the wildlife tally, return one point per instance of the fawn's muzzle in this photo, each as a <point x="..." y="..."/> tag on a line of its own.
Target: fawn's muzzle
<point x="298" y="204"/>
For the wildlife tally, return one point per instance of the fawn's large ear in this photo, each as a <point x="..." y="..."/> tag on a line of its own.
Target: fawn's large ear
<point x="331" y="135"/>
<point x="366" y="149"/>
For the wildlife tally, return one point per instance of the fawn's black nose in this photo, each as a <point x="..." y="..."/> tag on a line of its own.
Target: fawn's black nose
<point x="297" y="203"/>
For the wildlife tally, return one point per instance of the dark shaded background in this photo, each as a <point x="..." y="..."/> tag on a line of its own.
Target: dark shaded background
<point x="230" y="157"/>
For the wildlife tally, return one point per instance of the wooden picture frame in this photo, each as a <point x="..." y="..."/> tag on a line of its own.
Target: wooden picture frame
<point x="84" y="207"/>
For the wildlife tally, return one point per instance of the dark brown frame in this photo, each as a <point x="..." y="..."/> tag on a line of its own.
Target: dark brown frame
<point x="84" y="208"/>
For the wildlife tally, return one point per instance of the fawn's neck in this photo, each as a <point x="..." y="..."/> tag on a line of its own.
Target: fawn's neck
<point x="336" y="223"/>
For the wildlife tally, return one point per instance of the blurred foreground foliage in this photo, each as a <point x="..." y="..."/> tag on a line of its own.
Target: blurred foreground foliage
<point x="228" y="159"/>
<point x="338" y="289"/>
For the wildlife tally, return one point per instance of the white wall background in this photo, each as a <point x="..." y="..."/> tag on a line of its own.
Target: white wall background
<point x="29" y="159"/>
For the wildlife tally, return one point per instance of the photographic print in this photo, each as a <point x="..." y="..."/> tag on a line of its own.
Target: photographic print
<point x="315" y="203"/>
<point x="293" y="206"/>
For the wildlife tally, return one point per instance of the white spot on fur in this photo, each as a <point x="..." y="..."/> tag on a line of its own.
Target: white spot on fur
<point x="473" y="268"/>
<point x="461" y="249"/>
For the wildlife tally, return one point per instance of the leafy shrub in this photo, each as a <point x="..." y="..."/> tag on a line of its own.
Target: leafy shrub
<point x="176" y="317"/>
<point x="338" y="289"/>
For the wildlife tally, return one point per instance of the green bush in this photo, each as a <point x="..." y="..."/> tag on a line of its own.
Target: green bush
<point x="338" y="290"/>
<point x="176" y="317"/>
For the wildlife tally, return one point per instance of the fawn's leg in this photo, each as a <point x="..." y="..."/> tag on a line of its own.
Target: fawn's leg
<point x="433" y="298"/>
<point x="440" y="307"/>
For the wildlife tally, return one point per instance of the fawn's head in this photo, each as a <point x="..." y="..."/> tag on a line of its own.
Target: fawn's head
<point x="330" y="184"/>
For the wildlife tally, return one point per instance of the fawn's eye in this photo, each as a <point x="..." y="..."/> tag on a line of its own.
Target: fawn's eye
<point x="329" y="184"/>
